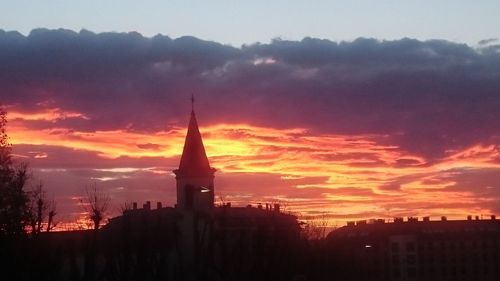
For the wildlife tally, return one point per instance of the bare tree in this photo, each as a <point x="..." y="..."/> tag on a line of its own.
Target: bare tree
<point x="316" y="228"/>
<point x="221" y="199"/>
<point x="52" y="208"/>
<point x="38" y="208"/>
<point x="42" y="211"/>
<point x="96" y="204"/>
<point x="126" y="206"/>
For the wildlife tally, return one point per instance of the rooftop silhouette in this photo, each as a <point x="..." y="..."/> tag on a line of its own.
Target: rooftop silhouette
<point x="194" y="160"/>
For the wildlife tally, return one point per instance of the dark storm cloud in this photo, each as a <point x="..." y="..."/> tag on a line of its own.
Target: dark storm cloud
<point x="429" y="96"/>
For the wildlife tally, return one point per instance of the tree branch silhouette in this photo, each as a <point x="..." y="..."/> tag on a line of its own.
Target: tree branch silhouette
<point x="96" y="204"/>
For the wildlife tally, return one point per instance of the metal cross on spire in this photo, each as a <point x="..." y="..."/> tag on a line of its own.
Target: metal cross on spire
<point x="192" y="102"/>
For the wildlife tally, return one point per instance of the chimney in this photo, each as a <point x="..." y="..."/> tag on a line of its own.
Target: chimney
<point x="158" y="205"/>
<point x="427" y="219"/>
<point x="493" y="217"/>
<point x="134" y="206"/>
<point x="477" y="218"/>
<point x="228" y="204"/>
<point x="277" y="207"/>
<point x="398" y="220"/>
<point x="147" y="205"/>
<point x="259" y="206"/>
<point x="361" y="222"/>
<point x="469" y="217"/>
<point x="443" y="218"/>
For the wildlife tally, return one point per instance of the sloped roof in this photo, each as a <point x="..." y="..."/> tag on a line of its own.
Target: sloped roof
<point x="194" y="160"/>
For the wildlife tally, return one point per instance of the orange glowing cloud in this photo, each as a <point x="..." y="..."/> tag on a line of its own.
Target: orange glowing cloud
<point x="50" y="115"/>
<point x="360" y="176"/>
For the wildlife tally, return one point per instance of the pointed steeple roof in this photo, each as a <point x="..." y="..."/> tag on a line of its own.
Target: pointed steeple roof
<point x="194" y="161"/>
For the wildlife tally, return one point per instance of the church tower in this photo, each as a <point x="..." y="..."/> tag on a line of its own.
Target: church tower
<point x="195" y="177"/>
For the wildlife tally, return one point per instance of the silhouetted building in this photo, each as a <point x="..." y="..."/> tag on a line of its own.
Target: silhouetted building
<point x="195" y="177"/>
<point x="197" y="240"/>
<point x="418" y="250"/>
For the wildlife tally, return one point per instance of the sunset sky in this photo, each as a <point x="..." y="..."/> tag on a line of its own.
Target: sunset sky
<point x="348" y="121"/>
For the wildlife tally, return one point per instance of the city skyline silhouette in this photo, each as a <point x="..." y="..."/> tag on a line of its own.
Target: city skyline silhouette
<point x="250" y="140"/>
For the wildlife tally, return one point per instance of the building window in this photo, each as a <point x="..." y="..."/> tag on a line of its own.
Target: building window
<point x="411" y="259"/>
<point x="396" y="272"/>
<point x="410" y="246"/>
<point x="395" y="247"/>
<point x="412" y="272"/>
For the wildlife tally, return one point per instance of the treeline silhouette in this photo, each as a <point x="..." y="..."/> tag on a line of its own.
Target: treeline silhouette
<point x="21" y="207"/>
